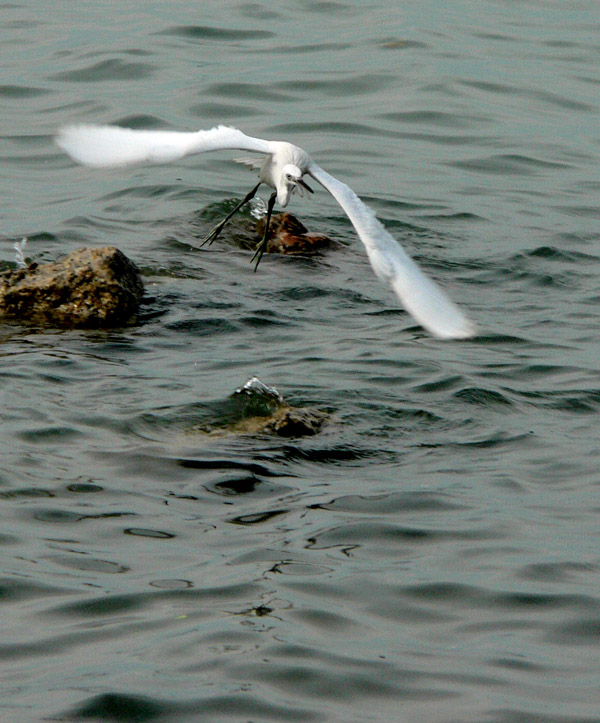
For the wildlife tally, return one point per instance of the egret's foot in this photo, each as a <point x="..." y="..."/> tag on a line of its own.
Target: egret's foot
<point x="260" y="249"/>
<point x="221" y="225"/>
<point x="214" y="233"/>
<point x="262" y="246"/>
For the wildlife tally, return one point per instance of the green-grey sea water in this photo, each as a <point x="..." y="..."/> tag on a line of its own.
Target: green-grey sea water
<point x="434" y="553"/>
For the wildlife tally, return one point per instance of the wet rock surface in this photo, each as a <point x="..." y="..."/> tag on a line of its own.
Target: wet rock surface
<point x="287" y="234"/>
<point x="89" y="288"/>
<point x="256" y="408"/>
<point x="284" y="421"/>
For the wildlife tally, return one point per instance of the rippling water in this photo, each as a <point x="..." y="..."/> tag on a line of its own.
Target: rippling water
<point x="434" y="553"/>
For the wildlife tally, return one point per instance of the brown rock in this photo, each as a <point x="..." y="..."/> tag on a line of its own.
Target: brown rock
<point x="89" y="288"/>
<point x="285" y="421"/>
<point x="288" y="235"/>
<point x="290" y="422"/>
<point x="256" y="408"/>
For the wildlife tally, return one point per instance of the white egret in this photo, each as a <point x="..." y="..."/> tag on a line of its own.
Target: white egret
<point x="283" y="169"/>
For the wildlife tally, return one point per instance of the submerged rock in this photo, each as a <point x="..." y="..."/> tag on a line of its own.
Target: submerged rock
<point x="285" y="421"/>
<point x="288" y="235"/>
<point x="89" y="288"/>
<point x="256" y="408"/>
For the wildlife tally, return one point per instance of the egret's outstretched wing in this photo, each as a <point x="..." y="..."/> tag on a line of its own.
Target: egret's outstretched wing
<point x="254" y="163"/>
<point x="112" y="146"/>
<point x="419" y="295"/>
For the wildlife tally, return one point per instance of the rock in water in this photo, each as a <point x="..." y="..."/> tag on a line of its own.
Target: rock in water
<point x="256" y="408"/>
<point x="89" y="288"/>
<point x="290" y="422"/>
<point x="288" y="235"/>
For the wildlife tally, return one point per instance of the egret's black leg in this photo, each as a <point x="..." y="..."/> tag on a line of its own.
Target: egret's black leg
<point x="221" y="225"/>
<point x="261" y="248"/>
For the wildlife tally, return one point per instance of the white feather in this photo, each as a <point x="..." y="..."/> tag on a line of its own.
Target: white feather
<point x="111" y="146"/>
<point x="419" y="295"/>
<point x="254" y="163"/>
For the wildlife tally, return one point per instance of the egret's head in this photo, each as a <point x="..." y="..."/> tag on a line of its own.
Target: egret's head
<point x="291" y="179"/>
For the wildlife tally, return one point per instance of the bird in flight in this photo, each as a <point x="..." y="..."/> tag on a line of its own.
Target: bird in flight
<point x="283" y="168"/>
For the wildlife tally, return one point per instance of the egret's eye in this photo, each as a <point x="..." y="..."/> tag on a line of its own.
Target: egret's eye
<point x="288" y="177"/>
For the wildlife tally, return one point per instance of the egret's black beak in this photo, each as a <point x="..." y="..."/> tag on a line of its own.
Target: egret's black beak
<point x="305" y="185"/>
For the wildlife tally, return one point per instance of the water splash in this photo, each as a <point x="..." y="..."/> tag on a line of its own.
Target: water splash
<point x="258" y="208"/>
<point x="254" y="387"/>
<point x="19" y="247"/>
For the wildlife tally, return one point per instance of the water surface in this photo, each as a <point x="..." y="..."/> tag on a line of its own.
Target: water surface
<point x="434" y="553"/>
